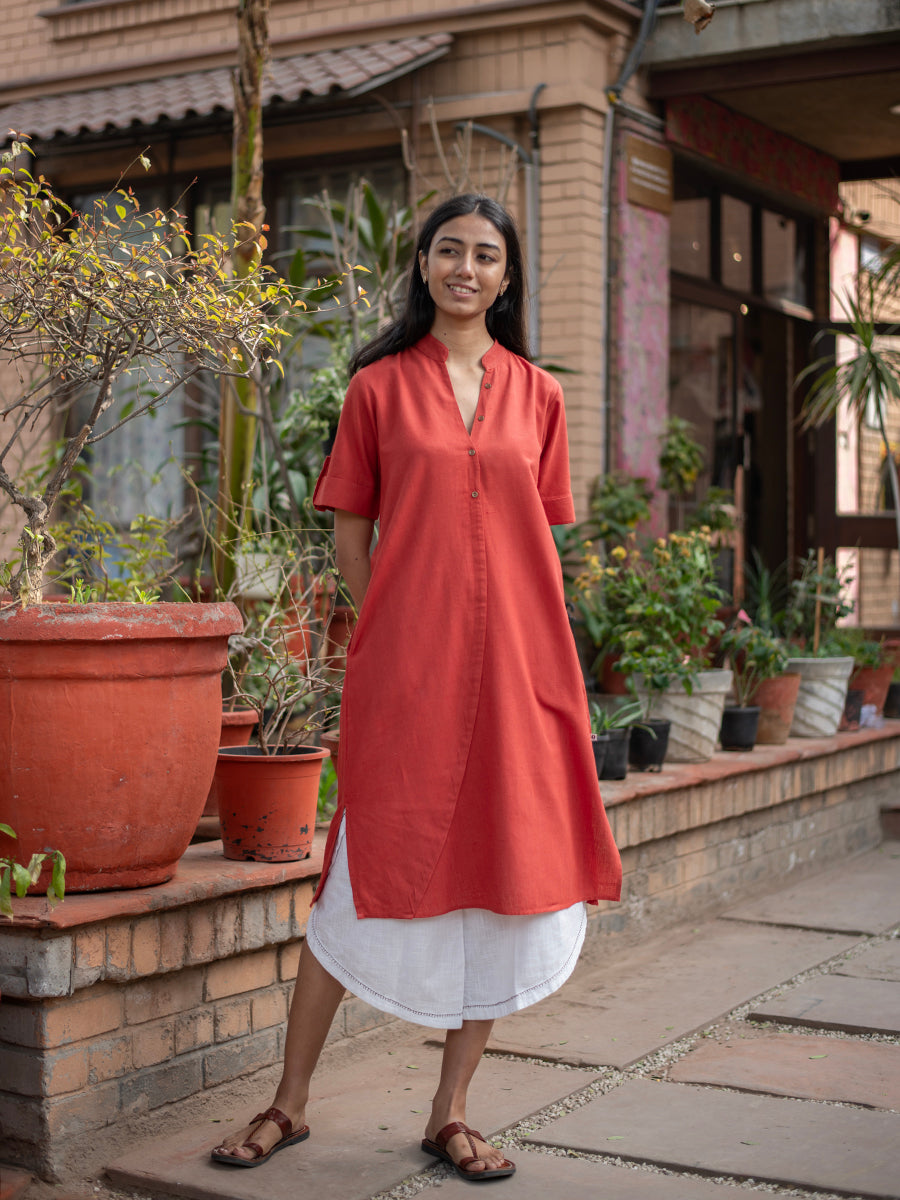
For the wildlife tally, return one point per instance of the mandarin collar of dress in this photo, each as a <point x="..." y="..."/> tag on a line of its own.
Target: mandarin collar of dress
<point x="430" y="346"/>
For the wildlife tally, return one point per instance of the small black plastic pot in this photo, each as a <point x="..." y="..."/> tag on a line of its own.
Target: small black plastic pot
<point x="616" y="764"/>
<point x="739" y="726"/>
<point x="892" y="703"/>
<point x="648" y="745"/>
<point x="599" y="744"/>
<point x="852" y="709"/>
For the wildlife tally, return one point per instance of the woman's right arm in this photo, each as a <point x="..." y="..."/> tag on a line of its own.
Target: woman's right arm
<point x="353" y="546"/>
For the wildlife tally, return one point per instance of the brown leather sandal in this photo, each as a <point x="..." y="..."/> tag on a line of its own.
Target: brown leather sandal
<point x="289" y="1137"/>
<point x="438" y="1147"/>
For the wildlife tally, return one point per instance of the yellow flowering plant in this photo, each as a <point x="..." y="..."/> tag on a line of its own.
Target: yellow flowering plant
<point x="654" y="605"/>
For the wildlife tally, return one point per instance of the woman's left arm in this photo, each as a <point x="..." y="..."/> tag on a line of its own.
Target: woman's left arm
<point x="353" y="547"/>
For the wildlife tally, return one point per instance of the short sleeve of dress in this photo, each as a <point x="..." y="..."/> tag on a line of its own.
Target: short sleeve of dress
<point x="554" y="485"/>
<point x="349" y="478"/>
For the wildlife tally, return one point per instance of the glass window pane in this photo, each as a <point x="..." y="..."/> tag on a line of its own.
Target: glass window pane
<point x="784" y="259"/>
<point x="689" y="236"/>
<point x="736" y="244"/>
<point x="701" y="357"/>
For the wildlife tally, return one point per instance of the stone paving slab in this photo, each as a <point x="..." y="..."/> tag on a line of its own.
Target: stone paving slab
<point x="794" y="1064"/>
<point x="349" y="1156"/>
<point x="554" y="1177"/>
<point x="876" y="962"/>
<point x="670" y="986"/>
<point x="791" y="1142"/>
<point x="837" y="1002"/>
<point x="859" y="896"/>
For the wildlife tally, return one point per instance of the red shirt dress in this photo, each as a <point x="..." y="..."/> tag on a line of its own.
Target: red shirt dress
<point x="467" y="777"/>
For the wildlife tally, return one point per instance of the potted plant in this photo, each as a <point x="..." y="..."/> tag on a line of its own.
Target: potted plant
<point x="817" y="601"/>
<point x="872" y="673"/>
<point x="266" y="792"/>
<point x="106" y="315"/>
<point x="756" y="657"/>
<point x="668" y="624"/>
<point x="615" y="722"/>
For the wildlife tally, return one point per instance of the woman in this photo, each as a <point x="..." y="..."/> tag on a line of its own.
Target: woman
<point x="456" y="873"/>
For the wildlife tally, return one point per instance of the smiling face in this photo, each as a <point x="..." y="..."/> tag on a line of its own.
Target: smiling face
<point x="465" y="268"/>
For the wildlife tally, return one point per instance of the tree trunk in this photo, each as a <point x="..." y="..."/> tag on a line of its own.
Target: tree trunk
<point x="240" y="396"/>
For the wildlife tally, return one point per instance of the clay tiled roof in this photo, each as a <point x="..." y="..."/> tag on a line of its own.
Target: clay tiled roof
<point x="346" y="72"/>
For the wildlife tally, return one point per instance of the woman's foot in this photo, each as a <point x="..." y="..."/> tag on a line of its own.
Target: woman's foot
<point x="268" y="1132"/>
<point x="466" y="1150"/>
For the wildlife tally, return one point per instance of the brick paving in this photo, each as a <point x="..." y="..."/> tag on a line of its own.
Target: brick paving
<point x="695" y="1101"/>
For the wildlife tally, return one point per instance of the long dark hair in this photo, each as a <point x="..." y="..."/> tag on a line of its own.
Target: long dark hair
<point x="505" y="319"/>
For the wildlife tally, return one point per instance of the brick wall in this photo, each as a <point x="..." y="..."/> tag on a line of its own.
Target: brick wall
<point x="691" y="850"/>
<point x="106" y="1021"/>
<point x="183" y="988"/>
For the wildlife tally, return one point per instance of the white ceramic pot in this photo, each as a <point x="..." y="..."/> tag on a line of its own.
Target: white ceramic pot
<point x="822" y="695"/>
<point x="695" y="717"/>
<point x="257" y="575"/>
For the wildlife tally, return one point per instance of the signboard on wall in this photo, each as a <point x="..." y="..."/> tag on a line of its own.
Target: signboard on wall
<point x="648" y="169"/>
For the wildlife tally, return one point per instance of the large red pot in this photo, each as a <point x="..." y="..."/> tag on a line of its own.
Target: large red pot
<point x="110" y="716"/>
<point x="777" y="699"/>
<point x="267" y="803"/>
<point x="873" y="682"/>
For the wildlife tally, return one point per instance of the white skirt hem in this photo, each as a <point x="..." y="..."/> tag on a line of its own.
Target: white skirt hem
<point x="522" y="959"/>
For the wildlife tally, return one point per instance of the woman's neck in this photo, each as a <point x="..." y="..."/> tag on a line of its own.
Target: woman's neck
<point x="467" y="343"/>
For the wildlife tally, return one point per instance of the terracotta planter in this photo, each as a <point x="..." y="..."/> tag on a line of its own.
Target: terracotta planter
<point x="776" y="698"/>
<point x="823" y="691"/>
<point x="237" y="726"/>
<point x="873" y="682"/>
<point x="611" y="681"/>
<point x="695" y="717"/>
<point x="739" y="727"/>
<point x="111" y="714"/>
<point x="267" y="803"/>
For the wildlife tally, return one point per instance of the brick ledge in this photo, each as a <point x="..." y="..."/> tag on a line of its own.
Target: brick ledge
<point x="202" y="874"/>
<point x="722" y="765"/>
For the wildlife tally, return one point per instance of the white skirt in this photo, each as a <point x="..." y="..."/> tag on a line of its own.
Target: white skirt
<point x="470" y="964"/>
